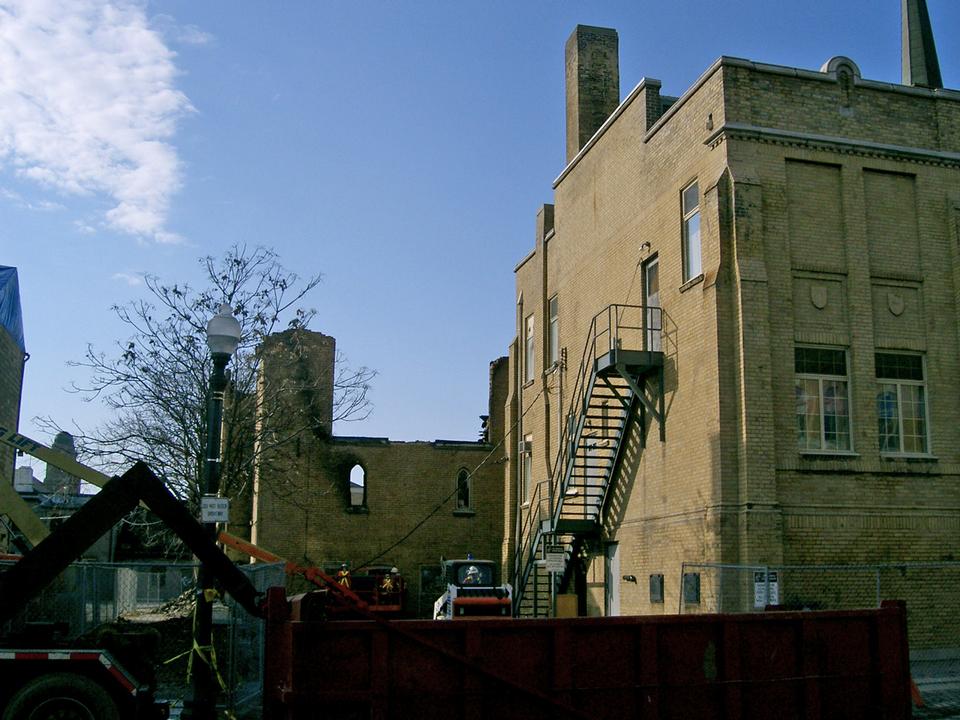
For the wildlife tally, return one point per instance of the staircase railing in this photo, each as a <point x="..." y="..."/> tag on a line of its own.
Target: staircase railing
<point x="615" y="327"/>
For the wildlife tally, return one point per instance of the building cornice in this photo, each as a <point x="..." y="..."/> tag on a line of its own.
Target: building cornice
<point x="831" y="143"/>
<point x="523" y="262"/>
<point x="728" y="61"/>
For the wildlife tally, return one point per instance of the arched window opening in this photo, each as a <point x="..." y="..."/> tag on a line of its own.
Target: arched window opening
<point x="358" y="486"/>
<point x="463" y="490"/>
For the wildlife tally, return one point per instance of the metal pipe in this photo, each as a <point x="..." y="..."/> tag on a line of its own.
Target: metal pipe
<point x="203" y="703"/>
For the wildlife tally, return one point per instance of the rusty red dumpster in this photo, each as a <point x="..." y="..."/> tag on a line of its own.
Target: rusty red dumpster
<point x="786" y="665"/>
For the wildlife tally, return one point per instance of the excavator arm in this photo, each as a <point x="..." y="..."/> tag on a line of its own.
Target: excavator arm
<point x="26" y="520"/>
<point x="120" y="495"/>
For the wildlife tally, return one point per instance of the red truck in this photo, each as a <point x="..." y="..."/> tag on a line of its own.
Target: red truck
<point x="45" y="679"/>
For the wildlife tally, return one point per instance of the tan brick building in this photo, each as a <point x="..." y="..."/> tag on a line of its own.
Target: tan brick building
<point x="322" y="500"/>
<point x="765" y="275"/>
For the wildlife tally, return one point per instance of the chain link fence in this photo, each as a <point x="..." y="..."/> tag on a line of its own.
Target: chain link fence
<point x="245" y="662"/>
<point x="88" y="596"/>
<point x="931" y="591"/>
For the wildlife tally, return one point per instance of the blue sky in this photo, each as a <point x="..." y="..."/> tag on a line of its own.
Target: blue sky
<point x="399" y="148"/>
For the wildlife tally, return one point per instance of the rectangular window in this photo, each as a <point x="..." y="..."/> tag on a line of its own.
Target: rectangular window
<point x="823" y="400"/>
<point x="528" y="349"/>
<point x="554" y="337"/>
<point x="901" y="404"/>
<point x="656" y="588"/>
<point x="526" y="452"/>
<point x="692" y="265"/>
<point x="691" y="587"/>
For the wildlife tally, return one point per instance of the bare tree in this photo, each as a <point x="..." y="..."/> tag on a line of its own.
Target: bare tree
<point x="156" y="381"/>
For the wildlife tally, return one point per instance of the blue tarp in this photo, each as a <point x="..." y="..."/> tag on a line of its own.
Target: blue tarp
<point x="11" y="316"/>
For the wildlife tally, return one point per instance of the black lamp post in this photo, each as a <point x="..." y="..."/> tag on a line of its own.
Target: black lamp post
<point x="223" y="336"/>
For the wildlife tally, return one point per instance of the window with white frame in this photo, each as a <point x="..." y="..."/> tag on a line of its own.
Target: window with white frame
<point x="690" y="200"/>
<point x="902" y="404"/>
<point x="526" y="460"/>
<point x="823" y="400"/>
<point x="654" y="314"/>
<point x="554" y="337"/>
<point x="528" y="345"/>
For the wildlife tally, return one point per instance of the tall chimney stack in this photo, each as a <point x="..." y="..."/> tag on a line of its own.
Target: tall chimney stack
<point x="918" y="53"/>
<point x="593" y="83"/>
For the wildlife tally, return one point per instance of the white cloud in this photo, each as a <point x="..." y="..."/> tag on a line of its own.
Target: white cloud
<point x="176" y="34"/>
<point x="40" y="205"/>
<point x="131" y="279"/>
<point x="88" y="105"/>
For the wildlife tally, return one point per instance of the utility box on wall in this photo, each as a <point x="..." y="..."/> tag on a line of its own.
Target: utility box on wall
<point x="566" y="605"/>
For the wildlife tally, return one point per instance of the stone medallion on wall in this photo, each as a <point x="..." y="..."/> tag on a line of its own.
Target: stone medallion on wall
<point x="898" y="319"/>
<point x="819" y="303"/>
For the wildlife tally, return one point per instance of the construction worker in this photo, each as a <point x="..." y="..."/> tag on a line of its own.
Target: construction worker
<point x="386" y="584"/>
<point x="343" y="575"/>
<point x="473" y="576"/>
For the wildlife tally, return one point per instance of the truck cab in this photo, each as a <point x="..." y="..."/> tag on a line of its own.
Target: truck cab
<point x="472" y="591"/>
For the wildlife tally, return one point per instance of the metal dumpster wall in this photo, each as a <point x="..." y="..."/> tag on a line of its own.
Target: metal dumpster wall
<point x="789" y="665"/>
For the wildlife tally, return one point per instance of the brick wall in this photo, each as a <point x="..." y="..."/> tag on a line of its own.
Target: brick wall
<point x="829" y="214"/>
<point x="11" y="385"/>
<point x="410" y="518"/>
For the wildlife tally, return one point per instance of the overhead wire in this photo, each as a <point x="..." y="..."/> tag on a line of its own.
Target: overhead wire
<point x="447" y="499"/>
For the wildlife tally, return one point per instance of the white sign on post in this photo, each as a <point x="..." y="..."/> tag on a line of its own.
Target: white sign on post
<point x="555" y="558"/>
<point x="760" y="584"/>
<point x="214" y="509"/>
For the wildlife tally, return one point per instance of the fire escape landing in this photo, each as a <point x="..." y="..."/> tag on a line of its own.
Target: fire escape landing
<point x="619" y="381"/>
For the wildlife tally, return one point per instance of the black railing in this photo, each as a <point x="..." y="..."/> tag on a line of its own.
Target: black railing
<point x="617" y="327"/>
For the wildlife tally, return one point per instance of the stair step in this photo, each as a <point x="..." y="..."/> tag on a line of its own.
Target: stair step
<point x="577" y="527"/>
<point x="593" y="448"/>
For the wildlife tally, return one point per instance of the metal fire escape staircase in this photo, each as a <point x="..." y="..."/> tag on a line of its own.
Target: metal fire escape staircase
<point x="619" y="381"/>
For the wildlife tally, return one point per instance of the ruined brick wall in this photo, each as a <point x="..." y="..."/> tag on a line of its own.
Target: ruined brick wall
<point x="409" y="516"/>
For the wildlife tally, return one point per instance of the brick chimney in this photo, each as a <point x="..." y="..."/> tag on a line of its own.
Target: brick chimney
<point x="57" y="480"/>
<point x="593" y="83"/>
